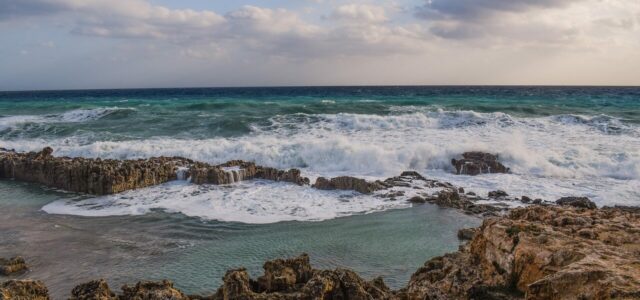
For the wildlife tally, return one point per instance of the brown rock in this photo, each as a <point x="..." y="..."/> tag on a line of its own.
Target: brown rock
<point x="93" y="290"/>
<point x="348" y="183"/>
<point x="150" y="290"/>
<point x="13" y="265"/>
<point x="581" y="202"/>
<point x="23" y="290"/>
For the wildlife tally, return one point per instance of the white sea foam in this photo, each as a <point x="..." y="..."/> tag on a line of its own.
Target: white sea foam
<point x="550" y="157"/>
<point x="72" y="116"/>
<point x="248" y="202"/>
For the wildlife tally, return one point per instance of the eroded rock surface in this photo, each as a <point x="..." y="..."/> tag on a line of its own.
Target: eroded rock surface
<point x="541" y="253"/>
<point x="349" y="183"/>
<point x="13" y="265"/>
<point x="476" y="163"/>
<point x="23" y="290"/>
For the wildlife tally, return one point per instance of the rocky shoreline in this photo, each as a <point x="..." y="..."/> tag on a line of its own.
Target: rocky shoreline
<point x="569" y="249"/>
<point x="535" y="252"/>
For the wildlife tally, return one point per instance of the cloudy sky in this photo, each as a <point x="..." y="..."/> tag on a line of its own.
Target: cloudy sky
<point x="59" y="44"/>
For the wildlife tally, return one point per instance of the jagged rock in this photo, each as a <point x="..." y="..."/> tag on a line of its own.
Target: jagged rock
<point x="282" y="275"/>
<point x="466" y="233"/>
<point x="23" y="290"/>
<point x="348" y="183"/>
<point x="475" y="163"/>
<point x="93" y="290"/>
<point x="295" y="279"/>
<point x="91" y="176"/>
<point x="13" y="265"/>
<point x="497" y="194"/>
<point x="529" y="252"/>
<point x="582" y="202"/>
<point x="162" y="290"/>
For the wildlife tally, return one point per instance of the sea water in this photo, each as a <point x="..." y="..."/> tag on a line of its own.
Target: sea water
<point x="558" y="141"/>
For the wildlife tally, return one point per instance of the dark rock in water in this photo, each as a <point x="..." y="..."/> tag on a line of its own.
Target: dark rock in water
<point x="348" y="183"/>
<point x="537" y="201"/>
<point x="13" y="265"/>
<point x="525" y="199"/>
<point x="497" y="194"/>
<point x="475" y="163"/>
<point x="471" y="193"/>
<point x="152" y="290"/>
<point x="23" y="290"/>
<point x="580" y="202"/>
<point x="412" y="174"/>
<point x="93" y="290"/>
<point x="238" y="170"/>
<point x="466" y="233"/>
<point x="417" y="199"/>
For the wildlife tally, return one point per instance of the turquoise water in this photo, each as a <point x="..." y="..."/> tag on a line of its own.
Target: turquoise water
<point x="67" y="250"/>
<point x="558" y="141"/>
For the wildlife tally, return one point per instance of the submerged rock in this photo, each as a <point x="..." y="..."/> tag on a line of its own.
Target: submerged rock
<point x="13" y="265"/>
<point x="23" y="290"/>
<point x="476" y="163"/>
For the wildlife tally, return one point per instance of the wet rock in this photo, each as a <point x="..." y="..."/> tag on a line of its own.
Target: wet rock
<point x="581" y="202"/>
<point x="93" y="290"/>
<point x="348" y="183"/>
<point x="475" y="163"/>
<point x="466" y="233"/>
<point x="12" y="266"/>
<point x="525" y="199"/>
<point x="152" y="290"/>
<point x="497" y="194"/>
<point x="417" y="200"/>
<point x="23" y="290"/>
<point x="91" y="176"/>
<point x="412" y="175"/>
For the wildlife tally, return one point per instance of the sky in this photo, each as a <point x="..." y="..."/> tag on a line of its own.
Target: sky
<point x="86" y="44"/>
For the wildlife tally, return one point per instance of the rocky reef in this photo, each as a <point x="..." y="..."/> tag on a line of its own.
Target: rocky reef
<point x="537" y="252"/>
<point x="476" y="163"/>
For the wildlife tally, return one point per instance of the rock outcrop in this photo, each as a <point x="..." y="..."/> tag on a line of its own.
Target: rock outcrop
<point x="91" y="176"/>
<point x="581" y="202"/>
<point x="108" y="176"/>
<point x="13" y="265"/>
<point x="476" y="163"/>
<point x="349" y="183"/>
<point x="540" y="253"/>
<point x="23" y="290"/>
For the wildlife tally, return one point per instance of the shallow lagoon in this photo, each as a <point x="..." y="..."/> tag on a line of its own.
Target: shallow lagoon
<point x="66" y="250"/>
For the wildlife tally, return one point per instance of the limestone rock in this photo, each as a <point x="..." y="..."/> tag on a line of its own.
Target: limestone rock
<point x="23" y="290"/>
<point x="475" y="163"/>
<point x="13" y="265"/>
<point x="541" y="252"/>
<point x="93" y="290"/>
<point x="151" y="290"/>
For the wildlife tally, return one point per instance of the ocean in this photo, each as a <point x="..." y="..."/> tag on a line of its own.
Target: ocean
<point x="558" y="141"/>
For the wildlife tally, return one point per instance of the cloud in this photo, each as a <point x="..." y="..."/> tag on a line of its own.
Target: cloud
<point x="482" y="8"/>
<point x="359" y="13"/>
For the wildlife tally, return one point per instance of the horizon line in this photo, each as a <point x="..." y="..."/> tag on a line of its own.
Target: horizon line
<point x="319" y="86"/>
